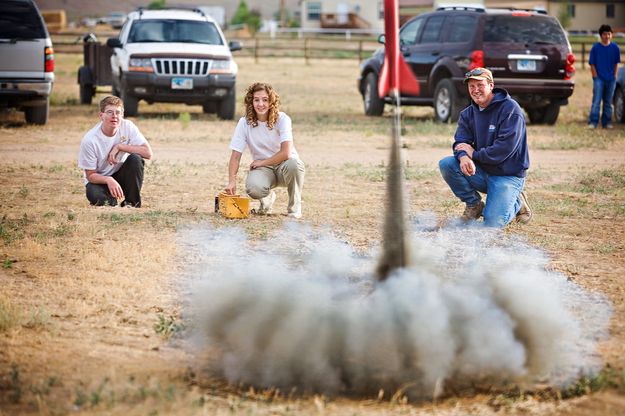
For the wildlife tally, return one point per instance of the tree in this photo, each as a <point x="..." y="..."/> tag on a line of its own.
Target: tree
<point x="564" y="14"/>
<point x="157" y="4"/>
<point x="244" y="15"/>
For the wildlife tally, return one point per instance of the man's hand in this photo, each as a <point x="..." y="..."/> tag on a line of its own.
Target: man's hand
<point x="112" y="158"/>
<point x="465" y="147"/>
<point x="467" y="166"/>
<point x="257" y="164"/>
<point x="231" y="188"/>
<point x="114" y="188"/>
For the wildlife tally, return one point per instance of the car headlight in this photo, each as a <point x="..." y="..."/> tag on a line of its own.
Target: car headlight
<point x="223" y="66"/>
<point x="140" y="65"/>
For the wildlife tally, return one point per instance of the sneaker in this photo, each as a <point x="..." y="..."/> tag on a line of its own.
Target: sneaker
<point x="609" y="126"/>
<point x="297" y="215"/>
<point x="266" y="203"/>
<point x="472" y="213"/>
<point x="525" y="212"/>
<point x="592" y="126"/>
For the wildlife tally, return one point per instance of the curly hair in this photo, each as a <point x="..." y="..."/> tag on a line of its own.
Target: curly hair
<point x="274" y="104"/>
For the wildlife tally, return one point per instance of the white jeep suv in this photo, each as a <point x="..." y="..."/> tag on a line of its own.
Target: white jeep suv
<point x="174" y="55"/>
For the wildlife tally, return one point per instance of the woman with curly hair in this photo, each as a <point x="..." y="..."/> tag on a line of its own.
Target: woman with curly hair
<point x="268" y="134"/>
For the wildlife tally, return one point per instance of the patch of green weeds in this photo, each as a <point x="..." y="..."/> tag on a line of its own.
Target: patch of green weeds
<point x="168" y="325"/>
<point x="156" y="218"/>
<point x="184" y="119"/>
<point x="8" y="263"/>
<point x="23" y="192"/>
<point x="12" y="230"/>
<point x="608" y="378"/>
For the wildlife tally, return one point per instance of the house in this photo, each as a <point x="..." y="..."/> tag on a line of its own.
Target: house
<point x="343" y="14"/>
<point x="585" y="15"/>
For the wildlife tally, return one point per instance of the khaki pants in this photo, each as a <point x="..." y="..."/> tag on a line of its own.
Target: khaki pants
<point x="289" y="173"/>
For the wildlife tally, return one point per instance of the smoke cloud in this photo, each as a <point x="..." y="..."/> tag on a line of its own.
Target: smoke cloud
<point x="303" y="309"/>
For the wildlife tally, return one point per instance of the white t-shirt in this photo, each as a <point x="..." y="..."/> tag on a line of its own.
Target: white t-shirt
<point x="262" y="141"/>
<point x="96" y="146"/>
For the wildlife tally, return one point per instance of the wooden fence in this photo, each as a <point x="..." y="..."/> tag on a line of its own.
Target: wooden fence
<point x="321" y="47"/>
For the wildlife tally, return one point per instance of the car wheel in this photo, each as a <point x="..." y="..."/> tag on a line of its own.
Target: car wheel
<point x="619" y="102"/>
<point x="86" y="93"/>
<point x="544" y="115"/>
<point x="131" y="104"/>
<point x="209" y="107"/>
<point x="447" y="103"/>
<point x="552" y="111"/>
<point x="225" y="109"/>
<point x="38" y="114"/>
<point x="374" y="105"/>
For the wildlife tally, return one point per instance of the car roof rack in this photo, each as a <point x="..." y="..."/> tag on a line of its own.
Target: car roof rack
<point x="518" y="9"/>
<point x="467" y="8"/>
<point x="184" y="8"/>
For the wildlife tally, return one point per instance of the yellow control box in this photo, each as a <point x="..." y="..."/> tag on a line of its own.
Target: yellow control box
<point x="232" y="206"/>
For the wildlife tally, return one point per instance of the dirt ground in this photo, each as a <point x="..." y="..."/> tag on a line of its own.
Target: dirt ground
<point x="94" y="292"/>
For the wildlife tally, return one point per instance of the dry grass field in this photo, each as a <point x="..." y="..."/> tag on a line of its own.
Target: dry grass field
<point x="91" y="298"/>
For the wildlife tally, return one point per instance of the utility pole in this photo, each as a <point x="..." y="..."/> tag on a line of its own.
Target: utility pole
<point x="282" y="14"/>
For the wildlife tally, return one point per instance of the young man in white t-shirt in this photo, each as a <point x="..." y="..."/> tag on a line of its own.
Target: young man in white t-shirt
<point x="112" y="154"/>
<point x="268" y="134"/>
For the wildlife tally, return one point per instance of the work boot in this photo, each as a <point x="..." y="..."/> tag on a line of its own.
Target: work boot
<point x="266" y="203"/>
<point x="472" y="213"/>
<point x="525" y="212"/>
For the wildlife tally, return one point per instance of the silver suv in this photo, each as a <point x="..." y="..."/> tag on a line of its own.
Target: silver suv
<point x="26" y="60"/>
<point x="173" y="55"/>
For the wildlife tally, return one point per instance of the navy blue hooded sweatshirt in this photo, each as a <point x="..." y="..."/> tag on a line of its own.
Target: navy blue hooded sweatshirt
<point x="498" y="135"/>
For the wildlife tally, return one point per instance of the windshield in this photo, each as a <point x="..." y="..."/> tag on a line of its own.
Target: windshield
<point x="188" y="31"/>
<point x="20" y="20"/>
<point x="523" y="29"/>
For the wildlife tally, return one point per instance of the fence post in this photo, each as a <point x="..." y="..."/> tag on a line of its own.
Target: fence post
<point x="306" y="50"/>
<point x="256" y="47"/>
<point x="583" y="55"/>
<point x="359" y="50"/>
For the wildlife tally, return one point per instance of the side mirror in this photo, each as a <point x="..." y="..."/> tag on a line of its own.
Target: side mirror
<point x="381" y="39"/>
<point x="234" y="45"/>
<point x="113" y="43"/>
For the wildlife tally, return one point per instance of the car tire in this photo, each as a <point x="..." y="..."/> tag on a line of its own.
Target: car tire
<point x="38" y="114"/>
<point x="86" y="93"/>
<point x="447" y="102"/>
<point x="226" y="107"/>
<point x="209" y="107"/>
<point x="374" y="105"/>
<point x="544" y="115"/>
<point x="131" y="104"/>
<point x="619" y="103"/>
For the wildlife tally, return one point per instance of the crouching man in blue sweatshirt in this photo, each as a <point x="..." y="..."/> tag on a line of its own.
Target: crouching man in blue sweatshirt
<point x="490" y="155"/>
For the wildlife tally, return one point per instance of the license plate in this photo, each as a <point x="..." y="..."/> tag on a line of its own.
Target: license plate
<point x="182" y="83"/>
<point x="526" y="65"/>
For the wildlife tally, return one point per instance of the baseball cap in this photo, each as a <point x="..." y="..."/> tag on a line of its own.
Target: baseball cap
<point x="479" y="74"/>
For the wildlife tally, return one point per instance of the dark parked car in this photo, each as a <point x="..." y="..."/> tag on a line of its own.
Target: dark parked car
<point x="26" y="60"/>
<point x="619" y="96"/>
<point x="527" y="51"/>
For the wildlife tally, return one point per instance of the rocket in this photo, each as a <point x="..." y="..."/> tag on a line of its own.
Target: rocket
<point x="396" y="74"/>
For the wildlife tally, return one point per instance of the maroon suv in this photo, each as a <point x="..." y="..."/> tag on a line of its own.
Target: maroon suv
<point x="527" y="51"/>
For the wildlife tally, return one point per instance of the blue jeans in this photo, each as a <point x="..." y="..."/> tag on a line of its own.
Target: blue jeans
<point x="601" y="91"/>
<point x="503" y="200"/>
